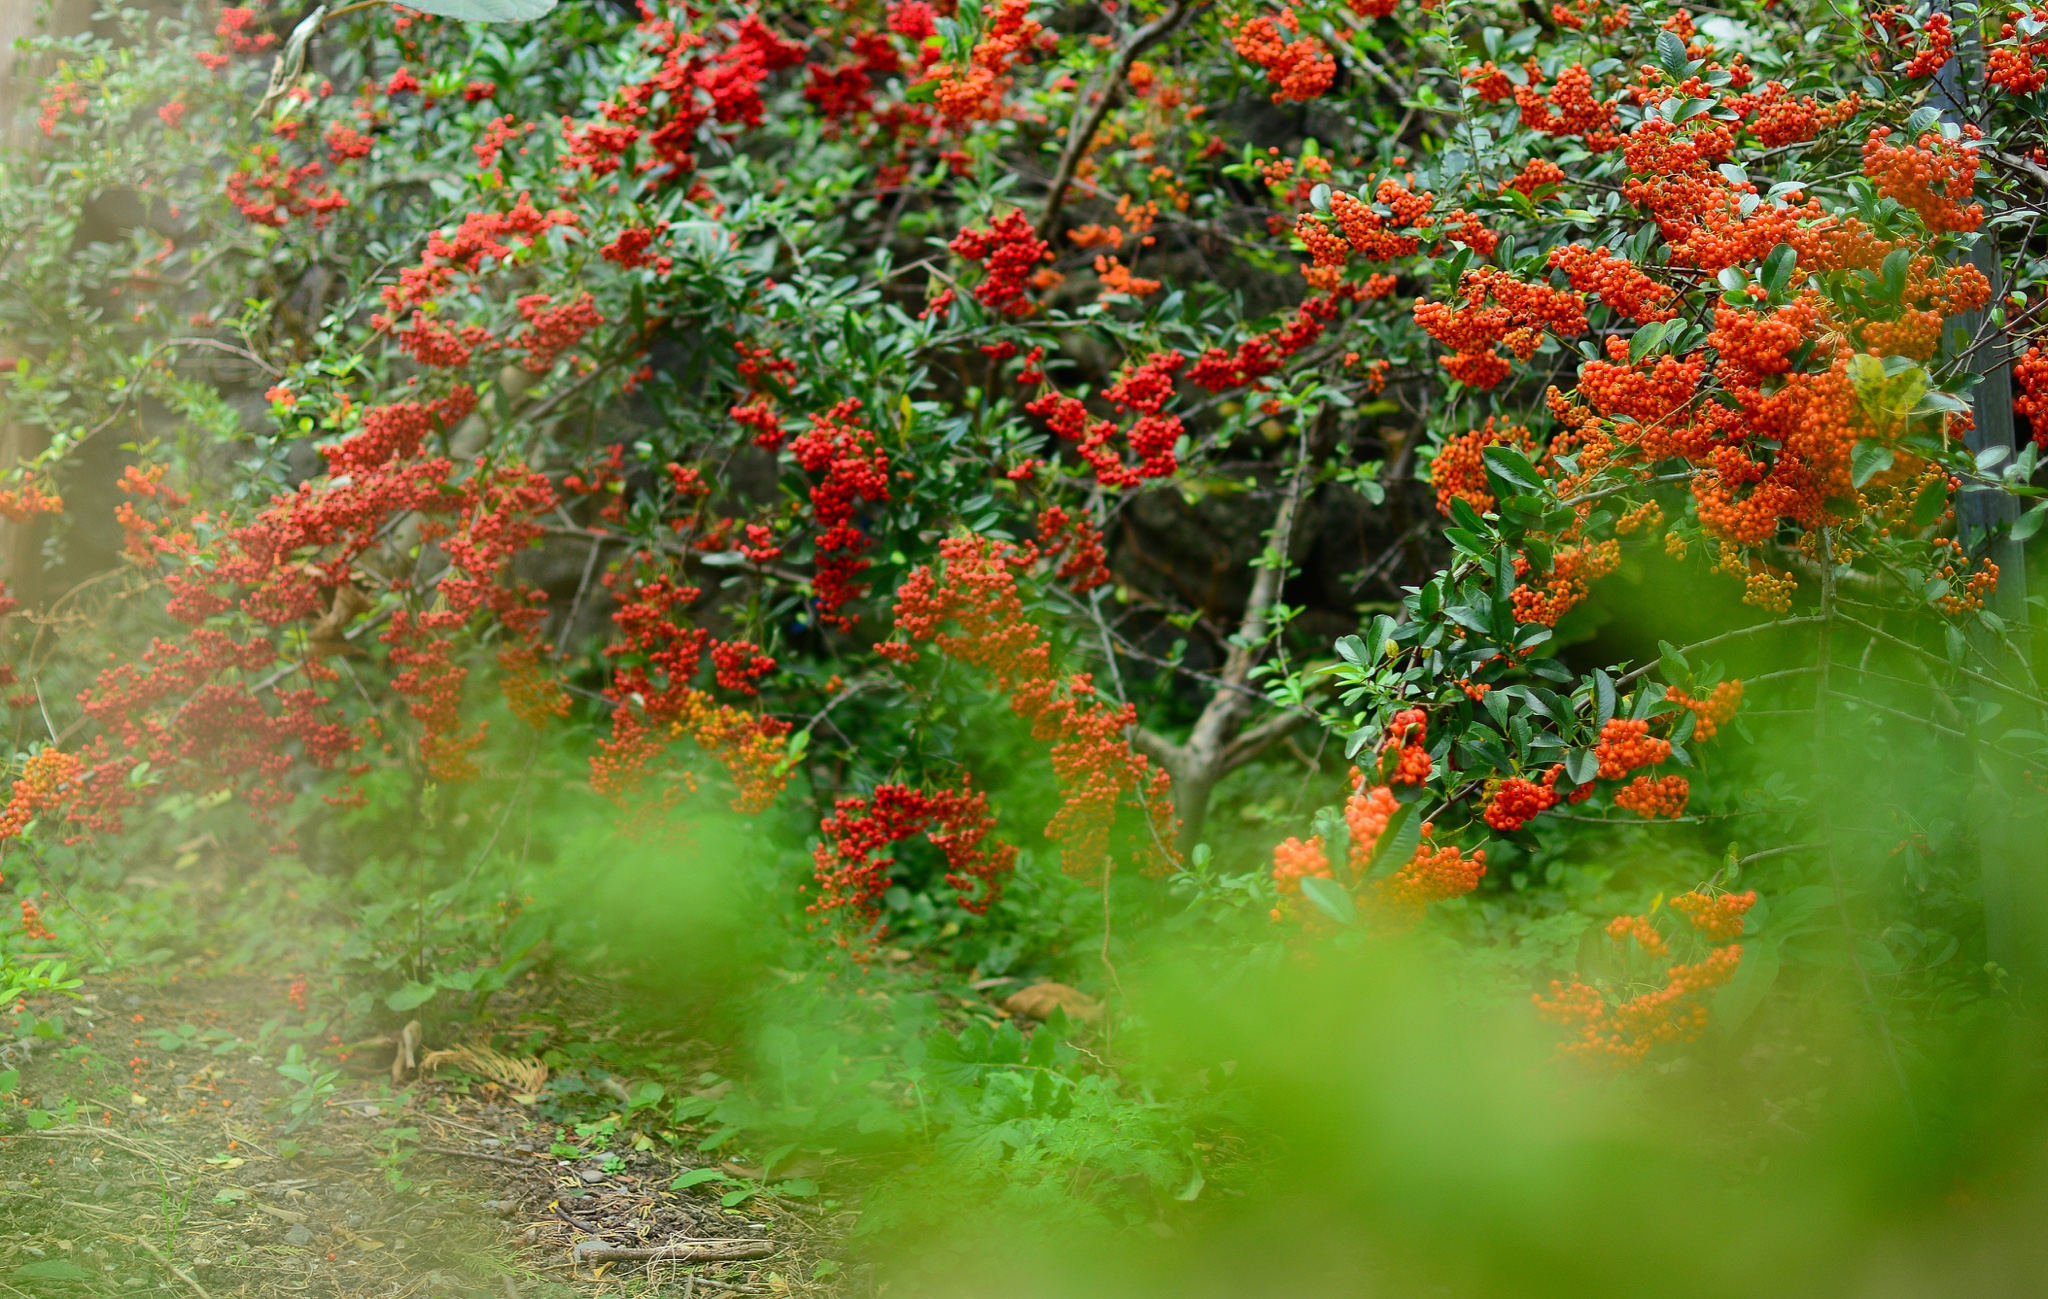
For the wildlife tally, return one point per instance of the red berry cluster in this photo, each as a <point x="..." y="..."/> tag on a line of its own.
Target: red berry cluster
<point x="1008" y="249"/>
<point x="851" y="879"/>
<point x="855" y="468"/>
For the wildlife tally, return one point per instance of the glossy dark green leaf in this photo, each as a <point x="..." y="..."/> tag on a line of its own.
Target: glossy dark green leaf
<point x="1778" y="267"/>
<point x="1513" y="467"/>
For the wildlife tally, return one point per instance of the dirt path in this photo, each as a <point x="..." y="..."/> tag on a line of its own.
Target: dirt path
<point x="151" y="1146"/>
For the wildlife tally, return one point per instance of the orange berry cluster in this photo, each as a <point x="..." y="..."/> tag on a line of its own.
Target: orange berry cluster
<point x="1405" y="738"/>
<point x="2029" y="374"/>
<point x="1459" y="470"/>
<point x="1934" y="180"/>
<point x="1519" y="801"/>
<point x="1626" y="745"/>
<point x="1719" y="917"/>
<point x="1615" y="281"/>
<point x="50" y="778"/>
<point x="1653" y="797"/>
<point x="1431" y="875"/>
<point x="1294" y="860"/>
<point x="1494" y="308"/>
<point x="1719" y="705"/>
<point x="1570" y="108"/>
<point x="1623" y="928"/>
<point x="2013" y="64"/>
<point x="1624" y="1032"/>
<point x="975" y="94"/>
<point x="1009" y="248"/>
<point x="1300" y="70"/>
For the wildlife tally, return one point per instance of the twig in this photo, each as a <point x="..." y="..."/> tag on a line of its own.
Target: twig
<point x="1776" y="852"/>
<point x="1726" y="635"/>
<point x="582" y="589"/>
<point x="682" y="1251"/>
<point x="1077" y="139"/>
<point x="1978" y="677"/>
<point x="175" y="1270"/>
<point x="479" y="1154"/>
<point x="229" y="348"/>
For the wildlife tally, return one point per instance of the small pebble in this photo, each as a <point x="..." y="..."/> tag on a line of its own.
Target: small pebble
<point x="298" y="1235"/>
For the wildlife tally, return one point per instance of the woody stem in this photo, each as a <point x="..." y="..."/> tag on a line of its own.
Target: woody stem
<point x="1077" y="139"/>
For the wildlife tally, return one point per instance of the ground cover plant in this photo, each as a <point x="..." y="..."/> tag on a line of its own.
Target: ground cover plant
<point x="984" y="649"/>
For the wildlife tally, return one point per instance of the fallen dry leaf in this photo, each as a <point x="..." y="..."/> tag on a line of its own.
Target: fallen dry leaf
<point x="1040" y="1000"/>
<point x="522" y="1074"/>
<point x="326" y="637"/>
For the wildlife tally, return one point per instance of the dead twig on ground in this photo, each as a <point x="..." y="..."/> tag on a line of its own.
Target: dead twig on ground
<point x="682" y="1251"/>
<point x="165" y="1259"/>
<point x="480" y="1154"/>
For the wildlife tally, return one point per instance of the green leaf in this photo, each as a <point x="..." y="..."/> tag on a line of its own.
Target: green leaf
<point x="1582" y="766"/>
<point x="1647" y="340"/>
<point x="696" y="1177"/>
<point x="1868" y="460"/>
<point x="1892" y="275"/>
<point x="1753" y="978"/>
<point x="53" y="1269"/>
<point x="1877" y="958"/>
<point x="1929" y="504"/>
<point x="411" y="995"/>
<point x="798" y="1187"/>
<point x="1778" y="267"/>
<point x="1329" y="897"/>
<point x="1397" y="842"/>
<point x="1465" y="516"/>
<point x="1672" y="665"/>
<point x="1513" y="467"/>
<point x="1671" y="55"/>
<point x="485" y="11"/>
<point x="734" y="1199"/>
<point x="2023" y="527"/>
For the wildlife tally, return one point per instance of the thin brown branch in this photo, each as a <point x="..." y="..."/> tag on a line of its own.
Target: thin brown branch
<point x="1112" y="91"/>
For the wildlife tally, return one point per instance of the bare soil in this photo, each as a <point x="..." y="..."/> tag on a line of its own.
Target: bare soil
<point x="147" y="1150"/>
